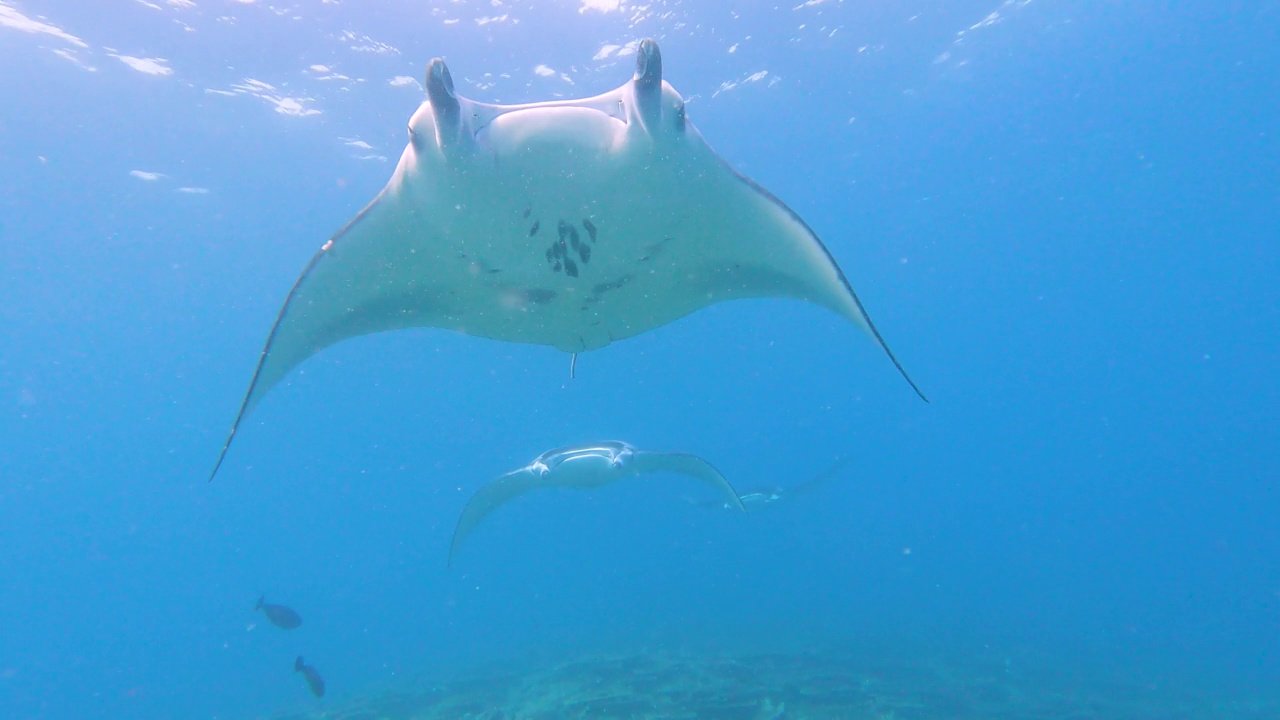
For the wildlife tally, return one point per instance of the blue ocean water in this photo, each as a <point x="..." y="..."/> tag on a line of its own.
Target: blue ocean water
<point x="1061" y="215"/>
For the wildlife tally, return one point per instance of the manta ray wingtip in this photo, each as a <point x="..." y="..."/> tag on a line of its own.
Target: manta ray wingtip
<point x="912" y="383"/>
<point x="901" y="370"/>
<point x="871" y="328"/>
<point x="218" y="465"/>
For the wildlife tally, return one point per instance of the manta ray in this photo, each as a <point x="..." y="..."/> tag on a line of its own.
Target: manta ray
<point x="569" y="223"/>
<point x="585" y="466"/>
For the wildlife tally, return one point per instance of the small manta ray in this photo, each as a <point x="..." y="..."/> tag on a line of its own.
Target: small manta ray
<point x="585" y="466"/>
<point x="567" y="223"/>
<point x="314" y="681"/>
<point x="279" y="615"/>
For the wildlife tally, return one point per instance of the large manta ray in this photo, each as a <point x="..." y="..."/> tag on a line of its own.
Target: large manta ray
<point x="569" y="223"/>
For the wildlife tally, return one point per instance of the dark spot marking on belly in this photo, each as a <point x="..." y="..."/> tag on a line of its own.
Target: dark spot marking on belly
<point x="558" y="254"/>
<point x="590" y="228"/>
<point x="534" y="230"/>
<point x="540" y="296"/>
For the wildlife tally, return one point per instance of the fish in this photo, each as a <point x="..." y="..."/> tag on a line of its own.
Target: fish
<point x="279" y="615"/>
<point x="314" y="681"/>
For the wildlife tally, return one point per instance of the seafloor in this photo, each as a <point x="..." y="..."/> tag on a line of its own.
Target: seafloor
<point x="831" y="684"/>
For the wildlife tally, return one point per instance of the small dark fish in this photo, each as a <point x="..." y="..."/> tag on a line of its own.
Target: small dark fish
<point x="279" y="615"/>
<point x="313" y="677"/>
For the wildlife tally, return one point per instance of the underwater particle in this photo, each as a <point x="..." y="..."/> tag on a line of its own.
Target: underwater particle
<point x="279" y="615"/>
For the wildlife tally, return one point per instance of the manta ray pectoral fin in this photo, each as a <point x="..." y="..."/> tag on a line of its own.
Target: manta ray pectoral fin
<point x="488" y="498"/>
<point x="325" y="307"/>
<point x="772" y="252"/>
<point x="257" y="387"/>
<point x="691" y="465"/>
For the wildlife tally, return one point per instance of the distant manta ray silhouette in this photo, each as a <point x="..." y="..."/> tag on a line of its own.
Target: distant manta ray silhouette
<point x="584" y="466"/>
<point x="569" y="223"/>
